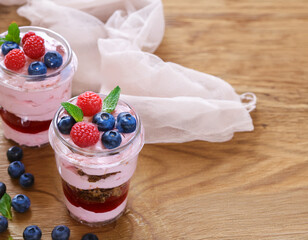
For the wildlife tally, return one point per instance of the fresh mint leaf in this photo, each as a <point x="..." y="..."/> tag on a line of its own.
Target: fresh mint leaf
<point x="13" y="33"/>
<point x="73" y="110"/>
<point x="111" y="101"/>
<point x="5" y="206"/>
<point x="10" y="238"/>
<point x="9" y="38"/>
<point x="2" y="40"/>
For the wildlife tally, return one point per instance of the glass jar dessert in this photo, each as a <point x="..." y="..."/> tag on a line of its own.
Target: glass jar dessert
<point x="96" y="178"/>
<point x="29" y="102"/>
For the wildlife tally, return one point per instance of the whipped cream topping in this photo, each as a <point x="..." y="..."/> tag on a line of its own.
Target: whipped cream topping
<point x="38" y="105"/>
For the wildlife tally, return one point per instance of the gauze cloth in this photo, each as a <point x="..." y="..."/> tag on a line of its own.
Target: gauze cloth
<point x="114" y="41"/>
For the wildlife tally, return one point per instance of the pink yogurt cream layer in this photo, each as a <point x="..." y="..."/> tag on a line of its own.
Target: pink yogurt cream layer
<point x="123" y="163"/>
<point x="27" y="139"/>
<point x="37" y="100"/>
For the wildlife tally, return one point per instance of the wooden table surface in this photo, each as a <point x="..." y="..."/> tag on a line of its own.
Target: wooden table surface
<point x="252" y="187"/>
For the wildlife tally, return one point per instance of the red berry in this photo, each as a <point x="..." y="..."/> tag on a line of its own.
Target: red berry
<point x="90" y="103"/>
<point x="84" y="134"/>
<point x="26" y="36"/>
<point x="34" y="47"/>
<point x="15" y="59"/>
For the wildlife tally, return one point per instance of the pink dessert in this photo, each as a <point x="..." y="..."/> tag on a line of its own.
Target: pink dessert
<point x="96" y="178"/>
<point x="29" y="102"/>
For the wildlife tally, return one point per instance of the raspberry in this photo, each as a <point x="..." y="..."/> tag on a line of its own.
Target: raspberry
<point x="15" y="59"/>
<point x="90" y="103"/>
<point x="34" y="47"/>
<point x="26" y="36"/>
<point x="84" y="134"/>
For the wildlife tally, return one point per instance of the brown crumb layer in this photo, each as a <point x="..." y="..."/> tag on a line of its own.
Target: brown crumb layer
<point x="95" y="178"/>
<point x="98" y="195"/>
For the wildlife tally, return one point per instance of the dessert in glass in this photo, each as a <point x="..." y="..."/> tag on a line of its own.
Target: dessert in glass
<point x="32" y="90"/>
<point x="96" y="157"/>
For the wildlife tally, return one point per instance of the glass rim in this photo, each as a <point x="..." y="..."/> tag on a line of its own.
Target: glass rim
<point x="106" y="152"/>
<point x="57" y="72"/>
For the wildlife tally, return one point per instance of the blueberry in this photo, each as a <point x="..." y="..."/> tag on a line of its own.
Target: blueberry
<point x="8" y="46"/>
<point x="122" y="114"/>
<point x="2" y="189"/>
<point x="14" y="154"/>
<point x="53" y="59"/>
<point x="60" y="232"/>
<point x="37" y="68"/>
<point x="15" y="169"/>
<point x="105" y="121"/>
<point x="21" y="203"/>
<point x="26" y="180"/>
<point x="65" y="124"/>
<point x="111" y="139"/>
<point x="32" y="232"/>
<point x="89" y="236"/>
<point x="3" y="224"/>
<point x="126" y="123"/>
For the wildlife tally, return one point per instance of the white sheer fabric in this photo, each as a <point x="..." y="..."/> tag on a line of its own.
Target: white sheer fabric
<point x="114" y="41"/>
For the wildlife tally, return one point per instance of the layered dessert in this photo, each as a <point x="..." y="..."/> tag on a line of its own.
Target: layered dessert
<point x="36" y="73"/>
<point x="96" y="148"/>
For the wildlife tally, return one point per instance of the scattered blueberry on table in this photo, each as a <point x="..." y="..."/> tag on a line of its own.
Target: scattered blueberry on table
<point x="14" y="154"/>
<point x="3" y="224"/>
<point x="21" y="203"/>
<point x="32" y="232"/>
<point x="2" y="189"/>
<point x="16" y="169"/>
<point x="26" y="180"/>
<point x="60" y="232"/>
<point x="89" y="236"/>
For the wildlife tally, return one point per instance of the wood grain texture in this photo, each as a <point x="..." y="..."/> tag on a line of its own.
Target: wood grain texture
<point x="252" y="187"/>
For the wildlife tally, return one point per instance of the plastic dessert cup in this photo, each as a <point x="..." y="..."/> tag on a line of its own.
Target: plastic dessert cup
<point x="96" y="180"/>
<point x="27" y="102"/>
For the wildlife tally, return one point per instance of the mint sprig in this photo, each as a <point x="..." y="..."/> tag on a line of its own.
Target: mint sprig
<point x="111" y="101"/>
<point x="2" y="40"/>
<point x="12" y="34"/>
<point x="5" y="206"/>
<point x="73" y="110"/>
<point x="10" y="238"/>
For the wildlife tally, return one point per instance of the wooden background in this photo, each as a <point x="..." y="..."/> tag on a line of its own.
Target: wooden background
<point x="253" y="187"/>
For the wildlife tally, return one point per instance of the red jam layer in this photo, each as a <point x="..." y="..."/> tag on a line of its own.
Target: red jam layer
<point x="97" y="200"/>
<point x="23" y="126"/>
